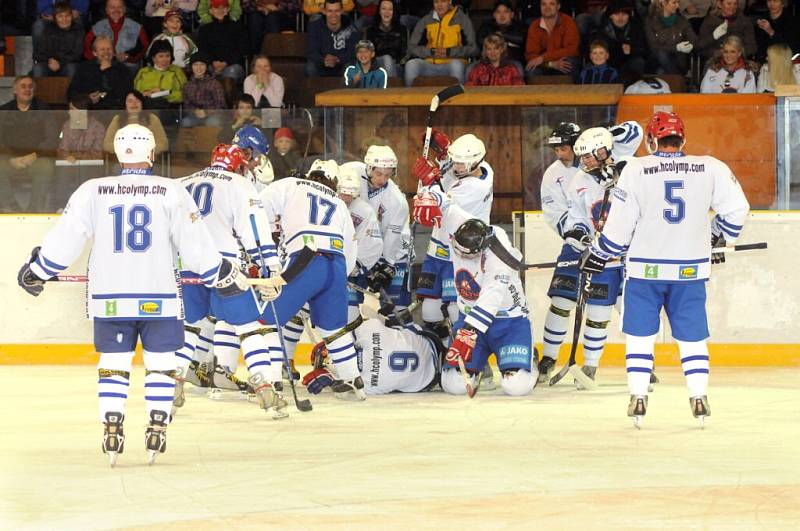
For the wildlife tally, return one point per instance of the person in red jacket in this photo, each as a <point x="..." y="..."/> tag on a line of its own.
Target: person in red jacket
<point x="552" y="44"/>
<point x="494" y="68"/>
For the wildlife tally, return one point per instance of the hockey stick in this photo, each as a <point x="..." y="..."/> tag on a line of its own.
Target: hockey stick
<point x="310" y="131"/>
<point x="302" y="405"/>
<point x="439" y="98"/>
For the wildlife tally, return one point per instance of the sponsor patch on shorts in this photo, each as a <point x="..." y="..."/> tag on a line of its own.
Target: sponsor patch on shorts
<point x="148" y="307"/>
<point x="687" y="271"/>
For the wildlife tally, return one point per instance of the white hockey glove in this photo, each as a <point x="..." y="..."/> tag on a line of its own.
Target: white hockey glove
<point x="684" y="47"/>
<point x="577" y="239"/>
<point x="230" y="280"/>
<point x="720" y="31"/>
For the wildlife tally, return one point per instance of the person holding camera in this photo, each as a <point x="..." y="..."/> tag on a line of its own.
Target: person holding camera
<point x="104" y="80"/>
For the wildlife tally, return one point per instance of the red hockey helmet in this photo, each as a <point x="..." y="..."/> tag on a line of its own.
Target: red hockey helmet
<point x="228" y="157"/>
<point x="663" y="124"/>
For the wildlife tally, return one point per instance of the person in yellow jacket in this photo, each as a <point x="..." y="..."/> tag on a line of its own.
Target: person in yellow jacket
<point x="442" y="43"/>
<point x="162" y="82"/>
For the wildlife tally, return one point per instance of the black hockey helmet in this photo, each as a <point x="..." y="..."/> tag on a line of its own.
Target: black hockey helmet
<point x="564" y="134"/>
<point x="471" y="238"/>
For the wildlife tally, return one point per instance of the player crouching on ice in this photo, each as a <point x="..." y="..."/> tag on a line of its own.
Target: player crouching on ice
<point x="493" y="310"/>
<point x="660" y="216"/>
<point x="137" y="222"/>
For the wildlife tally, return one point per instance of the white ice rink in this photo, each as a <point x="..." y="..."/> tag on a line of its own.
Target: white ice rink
<point x="560" y="459"/>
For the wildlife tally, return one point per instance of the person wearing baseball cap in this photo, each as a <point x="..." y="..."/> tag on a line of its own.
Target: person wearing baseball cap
<point x="182" y="45"/>
<point x="365" y="73"/>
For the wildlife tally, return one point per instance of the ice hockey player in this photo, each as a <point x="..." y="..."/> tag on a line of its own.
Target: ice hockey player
<point x="385" y="197"/>
<point x="660" y="218"/>
<point x="255" y="147"/>
<point x="319" y="241"/>
<point x="596" y="152"/>
<point x="136" y="222"/>
<point x="230" y="206"/>
<point x="493" y="310"/>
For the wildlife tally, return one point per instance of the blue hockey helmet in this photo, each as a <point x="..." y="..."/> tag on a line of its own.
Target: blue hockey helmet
<point x="251" y="137"/>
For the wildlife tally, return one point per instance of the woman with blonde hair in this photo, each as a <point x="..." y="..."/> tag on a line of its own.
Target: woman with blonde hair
<point x="494" y="68"/>
<point x="779" y="69"/>
<point x="729" y="72"/>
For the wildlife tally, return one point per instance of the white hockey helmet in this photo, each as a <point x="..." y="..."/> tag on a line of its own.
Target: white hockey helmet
<point x="134" y="143"/>
<point x="467" y="151"/>
<point x="593" y="150"/>
<point x="325" y="172"/>
<point x="349" y="182"/>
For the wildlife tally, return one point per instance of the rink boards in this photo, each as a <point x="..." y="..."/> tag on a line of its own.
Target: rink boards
<point x="754" y="299"/>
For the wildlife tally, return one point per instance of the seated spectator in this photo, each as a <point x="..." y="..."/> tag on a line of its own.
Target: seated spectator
<point x="268" y="16"/>
<point x="60" y="46"/>
<point x="224" y="42"/>
<point x="624" y="36"/>
<point x="161" y="82"/>
<point x="45" y="14"/>
<point x="27" y="147"/>
<point x="442" y="43"/>
<point x="552" y="44"/>
<point x="365" y="73"/>
<point x="367" y="11"/>
<point x="695" y="11"/>
<point x="135" y="114"/>
<point x="104" y="80"/>
<point x="598" y="71"/>
<point x="284" y="154"/>
<point x="514" y="31"/>
<point x="202" y="95"/>
<point x="725" y="19"/>
<point x="777" y="26"/>
<point x="182" y="45"/>
<point x="729" y="72"/>
<point x="242" y="115"/>
<point x="156" y="10"/>
<point x="331" y="42"/>
<point x="670" y="37"/>
<point x="81" y="139"/>
<point x="389" y="37"/>
<point x="778" y="70"/>
<point x="590" y="16"/>
<point x="205" y="15"/>
<point x="129" y="38"/>
<point x="315" y="9"/>
<point x="264" y="85"/>
<point x="494" y="68"/>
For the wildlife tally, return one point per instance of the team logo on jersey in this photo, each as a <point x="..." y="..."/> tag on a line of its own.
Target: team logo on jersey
<point x="255" y="202"/>
<point x="650" y="271"/>
<point x="596" y="208"/>
<point x="111" y="308"/>
<point x="337" y="243"/>
<point x="149" y="307"/>
<point x="686" y="272"/>
<point x="194" y="216"/>
<point x="466" y="285"/>
<point x="308" y="240"/>
<point x="357" y="220"/>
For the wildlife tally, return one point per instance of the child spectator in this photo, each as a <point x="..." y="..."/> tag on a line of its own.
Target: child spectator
<point x="513" y="31"/>
<point x="264" y="85"/>
<point x="598" y="71"/>
<point x="284" y="155"/>
<point x="389" y="37"/>
<point x="365" y="74"/>
<point x="156" y="10"/>
<point x="268" y="16"/>
<point x="162" y="82"/>
<point x="224" y="41"/>
<point x="494" y="68"/>
<point x="205" y="7"/>
<point x="778" y="70"/>
<point x="201" y="94"/>
<point x="729" y="72"/>
<point x="331" y="42"/>
<point x="59" y="49"/>
<point x="45" y="10"/>
<point x="242" y="115"/>
<point x="182" y="46"/>
<point x="135" y="114"/>
<point x="624" y="35"/>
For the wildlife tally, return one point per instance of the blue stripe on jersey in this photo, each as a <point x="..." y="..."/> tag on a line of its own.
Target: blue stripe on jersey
<point x="228" y="255"/>
<point x="482" y="312"/>
<point x="134" y="296"/>
<point x="47" y="270"/>
<point x="480" y="319"/>
<point x="211" y="272"/>
<point x="560" y="224"/>
<point x="609" y="246"/>
<point x="437" y="242"/>
<point x="313" y="233"/>
<point x="665" y="261"/>
<point x="340" y="349"/>
<point x="727" y="231"/>
<point x="728" y="224"/>
<point x="59" y="267"/>
<point x="342" y="360"/>
<point x="584" y="227"/>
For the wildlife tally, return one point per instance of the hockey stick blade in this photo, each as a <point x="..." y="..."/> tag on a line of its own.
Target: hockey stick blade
<point x="582" y="379"/>
<point x="445" y="94"/>
<point x="471" y="390"/>
<point x="559" y="375"/>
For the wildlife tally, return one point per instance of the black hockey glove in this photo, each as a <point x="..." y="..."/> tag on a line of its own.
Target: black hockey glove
<point x="27" y="279"/>
<point x="577" y="239"/>
<point x="380" y="276"/>
<point x="717" y="240"/>
<point x="592" y="263"/>
<point x="230" y="280"/>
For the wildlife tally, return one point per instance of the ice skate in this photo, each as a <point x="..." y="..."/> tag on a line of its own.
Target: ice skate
<point x="348" y="389"/>
<point x="487" y="379"/>
<point x="155" y="437"/>
<point x="113" y="437"/>
<point x="653" y="380"/>
<point x="546" y="367"/>
<point x="591" y="372"/>
<point x="226" y="385"/>
<point x="700" y="409"/>
<point x="637" y="409"/>
<point x="295" y="372"/>
<point x="268" y="399"/>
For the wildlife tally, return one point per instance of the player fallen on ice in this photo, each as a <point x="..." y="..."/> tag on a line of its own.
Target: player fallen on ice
<point x="137" y="223"/>
<point x="660" y="219"/>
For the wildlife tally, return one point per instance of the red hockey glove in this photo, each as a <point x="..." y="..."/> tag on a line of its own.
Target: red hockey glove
<point x="427" y="210"/>
<point x="317" y="380"/>
<point x="462" y="346"/>
<point x="426" y="171"/>
<point x="440" y="143"/>
<point x="318" y="355"/>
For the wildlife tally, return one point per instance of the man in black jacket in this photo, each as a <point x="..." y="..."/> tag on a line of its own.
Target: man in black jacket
<point x="103" y="79"/>
<point x="331" y="42"/>
<point x="224" y="42"/>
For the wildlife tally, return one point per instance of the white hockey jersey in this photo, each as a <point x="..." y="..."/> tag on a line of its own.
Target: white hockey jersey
<point x="555" y="206"/>
<point x="227" y="201"/>
<point x="310" y="213"/>
<point x="394" y="359"/>
<point x="391" y="207"/>
<point x="138" y="223"/>
<point x="660" y="215"/>
<point x="487" y="287"/>
<point x="473" y="194"/>
<point x="368" y="233"/>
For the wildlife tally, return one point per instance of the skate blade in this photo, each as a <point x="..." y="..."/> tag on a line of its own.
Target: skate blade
<point x="702" y="420"/>
<point x="151" y="456"/>
<point x="637" y="421"/>
<point x="226" y="395"/>
<point x="112" y="459"/>
<point x="581" y="379"/>
<point x="277" y="414"/>
<point x="357" y="395"/>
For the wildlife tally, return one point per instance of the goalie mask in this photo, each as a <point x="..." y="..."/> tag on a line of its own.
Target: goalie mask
<point x="134" y="143"/>
<point x="381" y="163"/>
<point x="471" y="238"/>
<point x="263" y="172"/>
<point x="662" y="125"/>
<point x="324" y="172"/>
<point x="466" y="153"/>
<point x="593" y="150"/>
